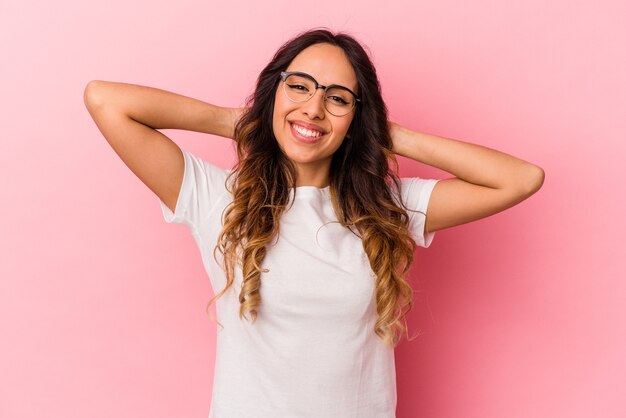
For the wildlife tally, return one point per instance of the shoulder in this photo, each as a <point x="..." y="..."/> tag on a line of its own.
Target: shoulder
<point x="198" y="166"/>
<point x="416" y="191"/>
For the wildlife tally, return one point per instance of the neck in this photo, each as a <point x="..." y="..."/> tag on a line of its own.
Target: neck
<point x="313" y="175"/>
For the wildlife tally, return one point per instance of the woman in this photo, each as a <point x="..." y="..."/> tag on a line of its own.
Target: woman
<point x="309" y="236"/>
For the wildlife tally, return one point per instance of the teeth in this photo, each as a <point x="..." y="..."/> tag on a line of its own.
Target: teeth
<point x="307" y="132"/>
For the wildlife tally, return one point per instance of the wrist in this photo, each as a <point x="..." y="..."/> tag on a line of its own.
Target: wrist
<point x="233" y="114"/>
<point x="395" y="132"/>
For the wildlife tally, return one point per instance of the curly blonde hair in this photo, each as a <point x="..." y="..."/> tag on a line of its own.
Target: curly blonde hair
<point x="361" y="184"/>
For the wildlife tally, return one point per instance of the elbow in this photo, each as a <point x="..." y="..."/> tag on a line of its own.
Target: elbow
<point x="533" y="180"/>
<point x="88" y="93"/>
<point x="91" y="96"/>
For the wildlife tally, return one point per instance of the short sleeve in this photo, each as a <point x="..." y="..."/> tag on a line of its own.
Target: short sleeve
<point x="203" y="185"/>
<point x="416" y="194"/>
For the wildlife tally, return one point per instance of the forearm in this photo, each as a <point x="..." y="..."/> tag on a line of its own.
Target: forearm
<point x="161" y="109"/>
<point x="471" y="162"/>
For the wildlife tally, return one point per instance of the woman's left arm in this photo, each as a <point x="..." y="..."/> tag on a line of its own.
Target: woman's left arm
<point x="487" y="181"/>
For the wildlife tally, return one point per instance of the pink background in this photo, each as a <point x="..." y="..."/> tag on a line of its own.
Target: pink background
<point x="521" y="314"/>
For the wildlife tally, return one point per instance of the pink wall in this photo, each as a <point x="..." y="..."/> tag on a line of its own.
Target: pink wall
<point x="521" y="314"/>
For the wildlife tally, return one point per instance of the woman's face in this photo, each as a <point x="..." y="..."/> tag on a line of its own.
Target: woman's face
<point x="328" y="64"/>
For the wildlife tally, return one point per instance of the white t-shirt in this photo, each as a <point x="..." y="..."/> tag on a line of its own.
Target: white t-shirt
<point x="312" y="351"/>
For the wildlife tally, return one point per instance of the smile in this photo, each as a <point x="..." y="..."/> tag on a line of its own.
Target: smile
<point x="305" y="135"/>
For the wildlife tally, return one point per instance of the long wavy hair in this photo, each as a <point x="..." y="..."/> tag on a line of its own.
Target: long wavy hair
<point x="361" y="189"/>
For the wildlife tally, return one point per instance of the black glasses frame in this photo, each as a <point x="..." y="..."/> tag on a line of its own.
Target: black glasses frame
<point x="285" y="74"/>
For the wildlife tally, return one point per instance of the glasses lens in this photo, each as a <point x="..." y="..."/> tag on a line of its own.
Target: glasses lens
<point x="339" y="102"/>
<point x="299" y="88"/>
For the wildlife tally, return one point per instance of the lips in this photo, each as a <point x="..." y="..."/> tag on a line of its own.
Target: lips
<point x="302" y="137"/>
<point x="308" y="126"/>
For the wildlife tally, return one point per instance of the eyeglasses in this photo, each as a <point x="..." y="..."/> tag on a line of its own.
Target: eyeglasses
<point x="300" y="87"/>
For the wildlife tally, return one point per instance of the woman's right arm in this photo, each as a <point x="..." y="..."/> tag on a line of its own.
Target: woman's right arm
<point x="129" y="115"/>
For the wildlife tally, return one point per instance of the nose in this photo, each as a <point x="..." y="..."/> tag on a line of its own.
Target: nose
<point x="314" y="107"/>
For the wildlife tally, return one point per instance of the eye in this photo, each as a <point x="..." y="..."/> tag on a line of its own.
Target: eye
<point x="299" y="87"/>
<point x="338" y="100"/>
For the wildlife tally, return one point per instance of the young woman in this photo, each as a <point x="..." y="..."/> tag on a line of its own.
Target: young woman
<point x="309" y="236"/>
